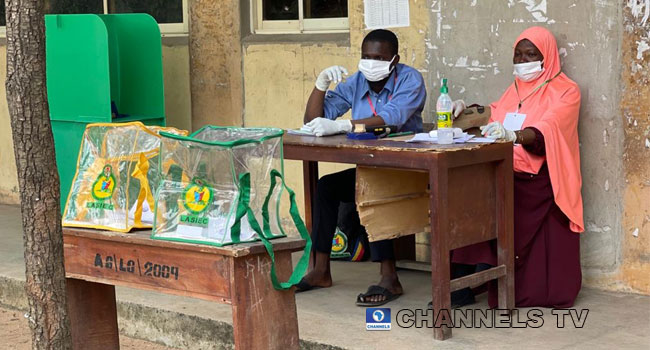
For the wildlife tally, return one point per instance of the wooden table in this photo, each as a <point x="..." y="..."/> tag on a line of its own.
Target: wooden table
<point x="471" y="200"/>
<point x="97" y="261"/>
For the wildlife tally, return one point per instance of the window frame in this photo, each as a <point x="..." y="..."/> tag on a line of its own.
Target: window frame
<point x="166" y="29"/>
<point x="299" y="26"/>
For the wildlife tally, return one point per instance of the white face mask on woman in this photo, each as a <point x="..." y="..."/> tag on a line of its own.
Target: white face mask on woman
<point x="375" y="70"/>
<point x="528" y="71"/>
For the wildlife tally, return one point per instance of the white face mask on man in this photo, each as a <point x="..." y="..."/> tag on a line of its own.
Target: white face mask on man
<point x="375" y="70"/>
<point x="528" y="71"/>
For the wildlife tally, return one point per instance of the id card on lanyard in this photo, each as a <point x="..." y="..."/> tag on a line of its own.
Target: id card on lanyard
<point x="514" y="121"/>
<point x="390" y="97"/>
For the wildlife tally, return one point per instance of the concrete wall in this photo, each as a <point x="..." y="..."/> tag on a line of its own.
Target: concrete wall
<point x="176" y="71"/>
<point x="634" y="272"/>
<point x="8" y="178"/>
<point x="215" y="59"/>
<point x="177" y="108"/>
<point x="279" y="73"/>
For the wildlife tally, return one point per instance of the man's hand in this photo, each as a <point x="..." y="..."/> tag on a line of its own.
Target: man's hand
<point x="495" y="130"/>
<point x="325" y="127"/>
<point x="329" y="75"/>
<point x="457" y="108"/>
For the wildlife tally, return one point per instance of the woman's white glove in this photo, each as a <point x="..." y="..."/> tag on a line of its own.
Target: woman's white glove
<point x="325" y="127"/>
<point x="457" y="107"/>
<point x="495" y="130"/>
<point x="329" y="75"/>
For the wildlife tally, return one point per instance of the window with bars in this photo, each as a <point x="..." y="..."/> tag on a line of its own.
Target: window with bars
<point x="171" y="15"/>
<point x="299" y="16"/>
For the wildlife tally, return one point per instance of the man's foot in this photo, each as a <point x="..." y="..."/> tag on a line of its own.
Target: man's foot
<point x="313" y="280"/>
<point x="386" y="290"/>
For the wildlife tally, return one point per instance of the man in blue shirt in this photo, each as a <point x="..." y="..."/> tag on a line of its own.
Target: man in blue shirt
<point x="383" y="92"/>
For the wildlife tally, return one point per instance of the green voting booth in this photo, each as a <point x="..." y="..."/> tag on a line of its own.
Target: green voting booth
<point x="100" y="69"/>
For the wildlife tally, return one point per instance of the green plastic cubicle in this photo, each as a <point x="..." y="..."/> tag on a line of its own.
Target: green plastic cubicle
<point x="100" y="69"/>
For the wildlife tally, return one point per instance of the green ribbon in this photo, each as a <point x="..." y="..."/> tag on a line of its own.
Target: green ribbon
<point x="243" y="208"/>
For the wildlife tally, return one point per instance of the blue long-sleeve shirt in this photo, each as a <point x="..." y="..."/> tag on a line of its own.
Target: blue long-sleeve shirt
<point x="399" y="103"/>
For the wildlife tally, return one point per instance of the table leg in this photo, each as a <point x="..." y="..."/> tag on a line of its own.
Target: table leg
<point x="440" y="270"/>
<point x="505" y="233"/>
<point x="93" y="315"/>
<point x="263" y="318"/>
<point x="310" y="179"/>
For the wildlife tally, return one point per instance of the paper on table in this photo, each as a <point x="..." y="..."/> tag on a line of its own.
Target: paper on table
<point x="299" y="132"/>
<point x="425" y="137"/>
<point x="380" y="14"/>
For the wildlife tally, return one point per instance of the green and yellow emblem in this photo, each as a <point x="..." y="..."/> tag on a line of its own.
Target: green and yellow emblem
<point x="197" y="196"/>
<point x="339" y="245"/>
<point x="104" y="186"/>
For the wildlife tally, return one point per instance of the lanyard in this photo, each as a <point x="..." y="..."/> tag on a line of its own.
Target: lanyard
<point x="390" y="97"/>
<point x="521" y="101"/>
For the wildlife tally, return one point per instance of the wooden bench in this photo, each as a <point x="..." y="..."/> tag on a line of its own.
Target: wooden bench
<point x="97" y="261"/>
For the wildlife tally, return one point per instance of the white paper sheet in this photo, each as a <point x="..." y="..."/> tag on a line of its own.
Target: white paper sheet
<point x="299" y="132"/>
<point x="425" y="137"/>
<point x="191" y="232"/>
<point x="386" y="13"/>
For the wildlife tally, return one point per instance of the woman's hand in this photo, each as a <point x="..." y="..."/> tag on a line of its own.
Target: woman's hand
<point x="497" y="131"/>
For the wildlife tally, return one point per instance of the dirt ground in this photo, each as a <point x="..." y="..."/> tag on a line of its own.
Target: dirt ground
<point x="15" y="335"/>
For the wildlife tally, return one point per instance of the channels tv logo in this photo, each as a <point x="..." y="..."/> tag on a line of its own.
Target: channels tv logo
<point x="378" y="319"/>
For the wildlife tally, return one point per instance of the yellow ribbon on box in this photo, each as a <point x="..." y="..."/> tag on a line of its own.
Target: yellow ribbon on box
<point x="140" y="173"/>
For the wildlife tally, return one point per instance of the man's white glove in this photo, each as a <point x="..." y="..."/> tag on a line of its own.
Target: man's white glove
<point x="495" y="130"/>
<point x="328" y="75"/>
<point x="457" y="107"/>
<point x="324" y="127"/>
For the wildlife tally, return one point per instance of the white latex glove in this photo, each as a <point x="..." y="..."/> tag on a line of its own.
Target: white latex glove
<point x="495" y="130"/>
<point x="307" y="129"/>
<point x="458" y="107"/>
<point x="328" y="75"/>
<point x="325" y="127"/>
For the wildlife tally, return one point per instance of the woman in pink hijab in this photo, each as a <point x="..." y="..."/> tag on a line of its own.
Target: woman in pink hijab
<point x="539" y="114"/>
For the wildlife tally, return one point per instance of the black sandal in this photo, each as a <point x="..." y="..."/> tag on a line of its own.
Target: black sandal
<point x="376" y="290"/>
<point x="303" y="286"/>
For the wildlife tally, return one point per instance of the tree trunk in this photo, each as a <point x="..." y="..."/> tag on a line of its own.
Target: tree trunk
<point x="37" y="175"/>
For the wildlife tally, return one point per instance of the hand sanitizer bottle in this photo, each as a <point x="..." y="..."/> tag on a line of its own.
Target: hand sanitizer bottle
<point x="443" y="110"/>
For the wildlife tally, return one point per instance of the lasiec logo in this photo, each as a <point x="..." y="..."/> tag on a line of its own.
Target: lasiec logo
<point x="378" y="319"/>
<point x="197" y="196"/>
<point x="102" y="190"/>
<point x="104" y="186"/>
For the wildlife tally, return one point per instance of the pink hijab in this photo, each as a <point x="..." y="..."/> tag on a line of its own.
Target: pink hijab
<point x="553" y="110"/>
